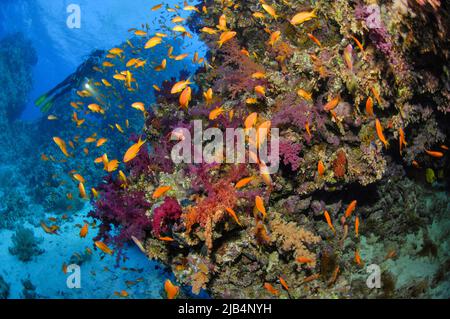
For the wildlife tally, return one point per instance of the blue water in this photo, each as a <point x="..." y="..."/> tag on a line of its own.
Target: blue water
<point x="60" y="50"/>
<point x="104" y="24"/>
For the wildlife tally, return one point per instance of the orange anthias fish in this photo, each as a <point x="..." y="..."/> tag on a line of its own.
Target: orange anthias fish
<point x="62" y="145"/>
<point x="49" y="230"/>
<point x="222" y="23"/>
<point x="96" y="108"/>
<point x="303" y="260"/>
<point x="332" y="104"/>
<point x="436" y="154"/>
<point x="251" y="120"/>
<point x="380" y="134"/>
<point x="160" y="191"/>
<point x="101" y="141"/>
<point x="214" y="114"/>
<point x="328" y="219"/>
<point x="157" y="7"/>
<point x="314" y="39"/>
<point x="369" y="106"/>
<point x="271" y="289"/>
<point x="185" y="97"/>
<point x="307" y="128"/>
<point x="162" y="66"/>
<point x="122" y="294"/>
<point x="391" y="254"/>
<point x="180" y="86"/>
<point x="153" y="42"/>
<point x="306" y="95"/>
<point x="64" y="268"/>
<point x="311" y="278"/>
<point x="181" y="57"/>
<point x="283" y="283"/>
<point x="225" y="37"/>
<point x="376" y="94"/>
<point x="82" y="190"/>
<point x="259" y="203"/>
<point x="167" y="238"/>
<point x="84" y="231"/>
<point x="112" y="166"/>
<point x="79" y="178"/>
<point x="132" y="152"/>
<point x="401" y="139"/>
<point x="138" y="106"/>
<point x="357" y="226"/>
<point x="357" y="258"/>
<point x="208" y="95"/>
<point x="171" y="290"/>
<point x="350" y="209"/>
<point x="270" y="10"/>
<point x="258" y="75"/>
<point x="302" y="17"/>
<point x="243" y="182"/>
<point x="208" y="30"/>
<point x="260" y="90"/>
<point x="444" y="147"/>
<point x="233" y="214"/>
<point x="320" y="168"/>
<point x="103" y="247"/>
<point x="274" y="37"/>
<point x="360" y="46"/>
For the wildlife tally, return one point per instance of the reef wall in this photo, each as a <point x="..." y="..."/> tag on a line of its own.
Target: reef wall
<point x="360" y="93"/>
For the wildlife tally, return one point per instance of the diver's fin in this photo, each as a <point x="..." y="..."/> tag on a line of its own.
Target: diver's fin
<point x="41" y="100"/>
<point x="47" y="107"/>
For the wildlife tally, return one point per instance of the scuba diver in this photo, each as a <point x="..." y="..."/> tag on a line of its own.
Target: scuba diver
<point x="73" y="81"/>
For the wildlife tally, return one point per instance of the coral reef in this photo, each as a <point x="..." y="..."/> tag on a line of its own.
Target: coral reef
<point x="25" y="244"/>
<point x="17" y="80"/>
<point x="29" y="290"/>
<point x="362" y="112"/>
<point x="4" y="288"/>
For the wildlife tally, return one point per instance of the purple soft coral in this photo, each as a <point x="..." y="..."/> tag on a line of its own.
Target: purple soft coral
<point x="123" y="209"/>
<point x="298" y="114"/>
<point x="169" y="212"/>
<point x="290" y="151"/>
<point x="378" y="33"/>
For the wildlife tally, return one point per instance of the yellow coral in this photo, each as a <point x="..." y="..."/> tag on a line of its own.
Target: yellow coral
<point x="291" y="237"/>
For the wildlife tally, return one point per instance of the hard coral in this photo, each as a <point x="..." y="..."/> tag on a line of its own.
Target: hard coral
<point x="25" y="244"/>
